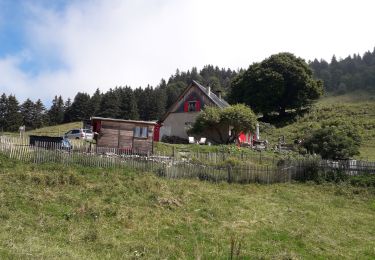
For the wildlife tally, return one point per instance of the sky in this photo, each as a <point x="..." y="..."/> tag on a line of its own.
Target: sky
<point x="58" y="47"/>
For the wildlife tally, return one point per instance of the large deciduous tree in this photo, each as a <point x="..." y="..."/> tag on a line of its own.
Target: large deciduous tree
<point x="239" y="118"/>
<point x="278" y="83"/>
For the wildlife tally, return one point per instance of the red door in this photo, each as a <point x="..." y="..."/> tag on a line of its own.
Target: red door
<point x="157" y="132"/>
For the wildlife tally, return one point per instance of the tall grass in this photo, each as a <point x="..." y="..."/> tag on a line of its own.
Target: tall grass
<point x="50" y="211"/>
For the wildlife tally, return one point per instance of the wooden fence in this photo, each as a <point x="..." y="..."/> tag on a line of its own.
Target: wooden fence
<point x="172" y="167"/>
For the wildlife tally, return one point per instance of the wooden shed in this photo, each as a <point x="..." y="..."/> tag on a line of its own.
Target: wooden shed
<point x="126" y="135"/>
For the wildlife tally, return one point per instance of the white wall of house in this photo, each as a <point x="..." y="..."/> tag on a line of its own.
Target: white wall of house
<point x="176" y="124"/>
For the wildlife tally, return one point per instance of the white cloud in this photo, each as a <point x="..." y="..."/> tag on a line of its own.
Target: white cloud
<point x="110" y="43"/>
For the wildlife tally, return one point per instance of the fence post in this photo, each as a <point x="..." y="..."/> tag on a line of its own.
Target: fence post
<point x="229" y="168"/>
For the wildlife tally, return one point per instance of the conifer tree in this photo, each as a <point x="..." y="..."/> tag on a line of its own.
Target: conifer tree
<point x="13" y="117"/>
<point x="128" y="104"/>
<point x="56" y="112"/>
<point x="80" y="108"/>
<point x="95" y="102"/>
<point x="28" y="111"/>
<point x="3" y="110"/>
<point x="39" y="117"/>
<point x="110" y="105"/>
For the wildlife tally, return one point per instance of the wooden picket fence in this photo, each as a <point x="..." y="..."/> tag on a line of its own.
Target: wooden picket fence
<point x="170" y="166"/>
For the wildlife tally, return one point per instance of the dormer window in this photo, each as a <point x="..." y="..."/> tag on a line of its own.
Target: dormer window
<point x="192" y="106"/>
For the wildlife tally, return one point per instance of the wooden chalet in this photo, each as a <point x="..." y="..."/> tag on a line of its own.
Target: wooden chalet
<point x="183" y="113"/>
<point x="126" y="135"/>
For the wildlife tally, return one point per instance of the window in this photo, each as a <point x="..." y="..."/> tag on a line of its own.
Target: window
<point x="192" y="106"/>
<point x="141" y="132"/>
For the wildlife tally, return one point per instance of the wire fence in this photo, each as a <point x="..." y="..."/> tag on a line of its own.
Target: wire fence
<point x="181" y="166"/>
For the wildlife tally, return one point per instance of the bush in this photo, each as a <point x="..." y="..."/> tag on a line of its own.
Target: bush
<point x="365" y="180"/>
<point x="334" y="141"/>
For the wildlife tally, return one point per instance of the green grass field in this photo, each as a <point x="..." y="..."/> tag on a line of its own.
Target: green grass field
<point x="51" y="211"/>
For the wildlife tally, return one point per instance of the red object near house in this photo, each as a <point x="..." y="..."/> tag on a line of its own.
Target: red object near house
<point x="157" y="132"/>
<point x="242" y="138"/>
<point x="186" y="106"/>
<point x="247" y="138"/>
<point x="198" y="106"/>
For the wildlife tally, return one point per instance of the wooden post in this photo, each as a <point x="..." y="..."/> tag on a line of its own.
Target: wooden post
<point x="229" y="168"/>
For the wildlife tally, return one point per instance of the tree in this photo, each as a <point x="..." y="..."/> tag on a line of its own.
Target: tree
<point x="239" y="118"/>
<point x="28" y="111"/>
<point x="278" y="83"/>
<point x="128" y="104"/>
<point x="80" y="108"/>
<point x="335" y="140"/>
<point x="3" y="110"/>
<point x="56" y="112"/>
<point x="67" y="111"/>
<point x="95" y="102"/>
<point x="39" y="117"/>
<point x="110" y="105"/>
<point x="13" y="117"/>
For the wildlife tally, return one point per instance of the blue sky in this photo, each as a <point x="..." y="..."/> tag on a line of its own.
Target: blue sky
<point x="53" y="47"/>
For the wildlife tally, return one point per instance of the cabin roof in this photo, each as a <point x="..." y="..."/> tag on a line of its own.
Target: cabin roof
<point x="212" y="96"/>
<point x="123" y="120"/>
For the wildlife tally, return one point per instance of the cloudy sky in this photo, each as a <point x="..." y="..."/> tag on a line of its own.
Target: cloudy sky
<point x="62" y="47"/>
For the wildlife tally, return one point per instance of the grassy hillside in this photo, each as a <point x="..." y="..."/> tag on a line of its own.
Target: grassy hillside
<point x="357" y="109"/>
<point x="57" y="130"/>
<point x="50" y="211"/>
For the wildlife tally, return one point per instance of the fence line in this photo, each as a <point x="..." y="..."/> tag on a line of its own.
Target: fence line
<point x="170" y="166"/>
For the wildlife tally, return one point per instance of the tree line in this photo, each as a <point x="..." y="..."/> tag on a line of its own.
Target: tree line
<point x="121" y="102"/>
<point x="348" y="74"/>
<point x="150" y="103"/>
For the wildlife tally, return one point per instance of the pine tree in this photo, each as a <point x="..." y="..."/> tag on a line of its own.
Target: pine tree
<point x="3" y="111"/>
<point x="95" y="102"/>
<point x="110" y="105"/>
<point x="128" y="104"/>
<point x="28" y="111"/>
<point x="67" y="111"/>
<point x="80" y="108"/>
<point x="39" y="117"/>
<point x="56" y="112"/>
<point x="13" y="117"/>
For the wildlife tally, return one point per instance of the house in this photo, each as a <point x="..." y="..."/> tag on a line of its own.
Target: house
<point x="183" y="113"/>
<point x="126" y="135"/>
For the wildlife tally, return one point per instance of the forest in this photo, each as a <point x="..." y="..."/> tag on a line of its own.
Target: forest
<point x="355" y="72"/>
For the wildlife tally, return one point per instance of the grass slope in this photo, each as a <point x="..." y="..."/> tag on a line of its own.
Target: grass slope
<point x="57" y="130"/>
<point x="50" y="211"/>
<point x="357" y="109"/>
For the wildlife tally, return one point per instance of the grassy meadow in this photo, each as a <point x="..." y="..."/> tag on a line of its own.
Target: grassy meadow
<point x="357" y="109"/>
<point x="57" y="130"/>
<point x="50" y="211"/>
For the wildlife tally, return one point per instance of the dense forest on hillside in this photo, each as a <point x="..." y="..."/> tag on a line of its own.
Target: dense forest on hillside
<point x="150" y="103"/>
<point x="349" y="74"/>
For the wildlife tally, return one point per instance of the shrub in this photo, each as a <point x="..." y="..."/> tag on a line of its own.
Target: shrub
<point x="334" y="141"/>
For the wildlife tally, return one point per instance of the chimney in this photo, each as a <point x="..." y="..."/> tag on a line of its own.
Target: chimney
<point x="209" y="90"/>
<point x="257" y="132"/>
<point x="219" y="93"/>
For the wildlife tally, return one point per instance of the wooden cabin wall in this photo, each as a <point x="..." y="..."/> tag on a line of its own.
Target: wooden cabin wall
<point x="120" y="135"/>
